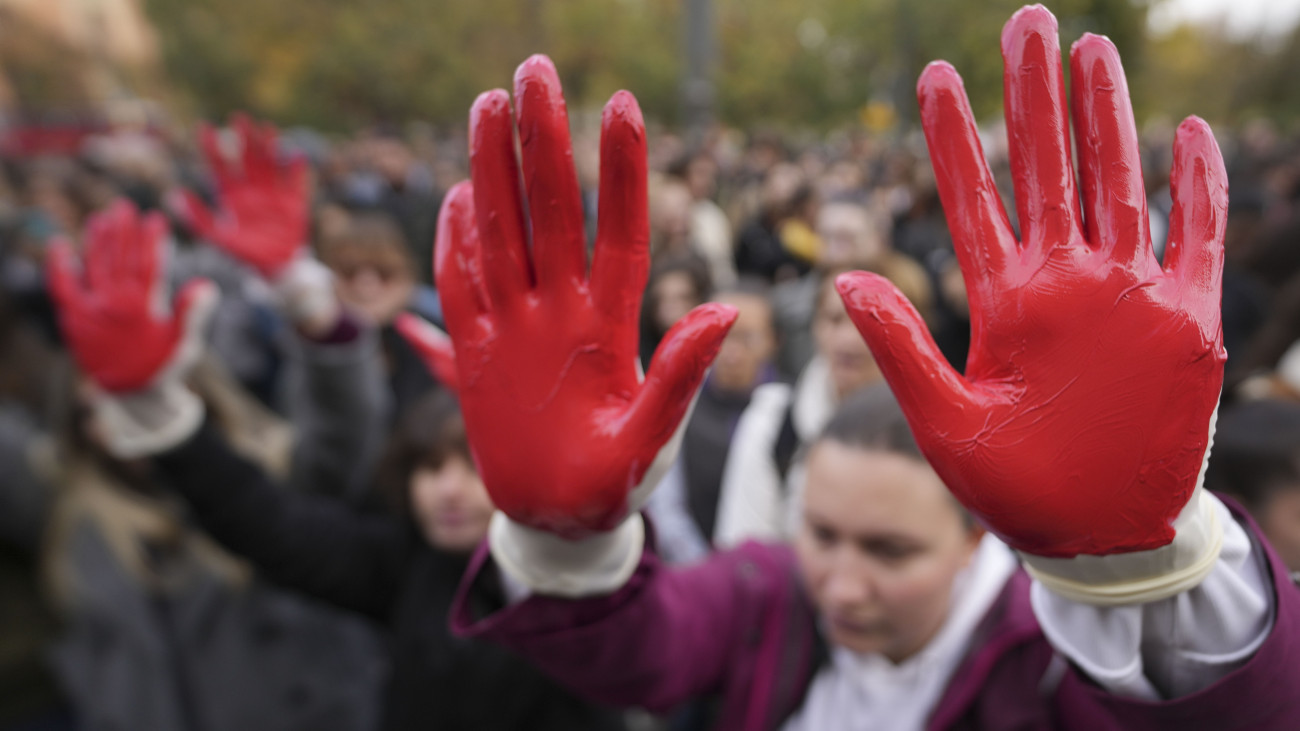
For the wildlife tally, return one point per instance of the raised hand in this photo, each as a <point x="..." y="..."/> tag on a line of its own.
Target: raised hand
<point x="1085" y="413"/>
<point x="560" y="423"/>
<point x="263" y="201"/>
<point x="125" y="335"/>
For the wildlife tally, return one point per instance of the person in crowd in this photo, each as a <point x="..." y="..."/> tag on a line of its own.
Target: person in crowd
<point x="29" y="695"/>
<point x="374" y="275"/>
<point x="685" y="505"/>
<point x="398" y="570"/>
<point x="853" y="236"/>
<point x="393" y="181"/>
<point x="164" y="629"/>
<point x="710" y="227"/>
<point x="1076" y="437"/>
<point x="670" y="219"/>
<point x="764" y="471"/>
<point x="778" y="244"/>
<point x="370" y="267"/>
<point x="678" y="282"/>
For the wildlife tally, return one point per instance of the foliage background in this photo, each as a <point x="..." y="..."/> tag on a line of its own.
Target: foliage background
<point x="793" y="64"/>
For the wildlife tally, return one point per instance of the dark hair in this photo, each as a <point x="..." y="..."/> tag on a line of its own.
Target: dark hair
<point x="1256" y="451"/>
<point x="692" y="265"/>
<point x="368" y="229"/>
<point x="428" y="434"/>
<point x="871" y="418"/>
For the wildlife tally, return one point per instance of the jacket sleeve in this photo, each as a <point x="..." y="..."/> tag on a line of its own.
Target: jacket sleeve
<point x="666" y="636"/>
<point x="1216" y="654"/>
<point x="25" y="498"/>
<point x="339" y="406"/>
<point x="311" y="543"/>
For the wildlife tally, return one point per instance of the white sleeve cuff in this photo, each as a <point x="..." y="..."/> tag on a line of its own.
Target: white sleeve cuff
<point x="1175" y="646"/>
<point x="1142" y="576"/>
<point x="547" y="564"/>
<point x="148" y="422"/>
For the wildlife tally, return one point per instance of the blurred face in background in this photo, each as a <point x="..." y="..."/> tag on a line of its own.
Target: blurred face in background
<point x="375" y="282"/>
<point x="450" y="504"/>
<point x="702" y="177"/>
<point x="879" y="548"/>
<point x="749" y="345"/>
<point x="674" y="295"/>
<point x="670" y="216"/>
<point x="840" y="344"/>
<point x="851" y="237"/>
<point x="374" y="274"/>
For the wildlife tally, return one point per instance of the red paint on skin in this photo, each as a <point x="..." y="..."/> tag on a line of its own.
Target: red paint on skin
<point x="560" y="427"/>
<point x="1082" y="419"/>
<point x="109" y="302"/>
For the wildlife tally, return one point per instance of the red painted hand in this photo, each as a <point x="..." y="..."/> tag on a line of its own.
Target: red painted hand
<point x="112" y="312"/>
<point x="559" y="422"/>
<point x="1083" y="419"/>
<point x="263" y="221"/>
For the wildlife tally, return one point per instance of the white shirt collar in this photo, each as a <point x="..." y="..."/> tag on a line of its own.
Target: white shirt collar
<point x="863" y="692"/>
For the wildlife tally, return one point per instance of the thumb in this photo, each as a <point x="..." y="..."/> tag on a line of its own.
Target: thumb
<point x="193" y="309"/>
<point x="196" y="214"/>
<point x="920" y="377"/>
<point x="676" y="370"/>
<point x="432" y="345"/>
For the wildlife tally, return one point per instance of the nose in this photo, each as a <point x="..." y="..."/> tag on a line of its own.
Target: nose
<point x="849" y="581"/>
<point x="365" y="281"/>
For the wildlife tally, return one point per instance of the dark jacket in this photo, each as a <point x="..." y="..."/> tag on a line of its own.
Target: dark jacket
<point x="376" y="565"/>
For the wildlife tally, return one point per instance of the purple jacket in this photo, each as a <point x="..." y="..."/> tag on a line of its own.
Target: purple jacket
<point x="740" y="627"/>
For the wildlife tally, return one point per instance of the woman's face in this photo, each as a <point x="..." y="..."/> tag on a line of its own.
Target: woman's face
<point x="451" y="505"/>
<point x="839" y="342"/>
<point x="375" y="282"/>
<point x="880" y="545"/>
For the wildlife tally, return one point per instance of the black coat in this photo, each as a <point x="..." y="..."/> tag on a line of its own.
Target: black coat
<point x="379" y="566"/>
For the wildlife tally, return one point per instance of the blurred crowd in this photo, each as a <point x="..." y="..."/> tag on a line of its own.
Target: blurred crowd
<point x="128" y="602"/>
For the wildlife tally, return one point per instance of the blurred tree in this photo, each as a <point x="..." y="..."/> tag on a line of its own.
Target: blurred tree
<point x="338" y="64"/>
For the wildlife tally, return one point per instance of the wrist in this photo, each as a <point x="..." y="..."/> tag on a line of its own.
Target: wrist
<point x="1141" y="576"/>
<point x="148" y="422"/>
<point x="548" y="564"/>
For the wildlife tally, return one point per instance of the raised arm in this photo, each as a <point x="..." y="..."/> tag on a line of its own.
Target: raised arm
<point x="136" y="349"/>
<point x="568" y="437"/>
<point x="337" y="400"/>
<point x="566" y="434"/>
<point x="1080" y="428"/>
